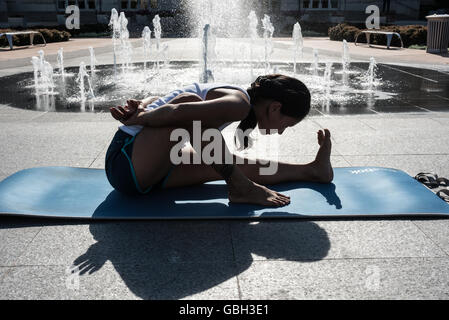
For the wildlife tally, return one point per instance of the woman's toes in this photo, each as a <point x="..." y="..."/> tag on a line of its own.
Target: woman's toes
<point x="320" y="137"/>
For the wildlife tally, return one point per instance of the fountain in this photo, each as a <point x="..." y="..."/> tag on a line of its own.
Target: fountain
<point x="146" y="45"/>
<point x="370" y="75"/>
<point x="114" y="25"/>
<point x="327" y="83"/>
<point x="165" y="58"/>
<point x="81" y="75"/>
<point x="346" y="59"/>
<point x="206" y="73"/>
<point x="298" y="44"/>
<point x="104" y="87"/>
<point x="157" y="35"/>
<point x="253" y="22"/>
<point x="227" y="18"/>
<point x="61" y="62"/>
<point x="63" y="75"/>
<point x="126" y="48"/>
<point x="80" y="79"/>
<point x="47" y="76"/>
<point x="268" y="40"/>
<point x="122" y="48"/>
<point x="41" y="57"/>
<point x="43" y="75"/>
<point x="315" y="62"/>
<point x="92" y="61"/>
<point x="36" y="64"/>
<point x="327" y="78"/>
<point x="372" y="70"/>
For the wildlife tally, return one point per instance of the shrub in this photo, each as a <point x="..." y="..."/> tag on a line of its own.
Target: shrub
<point x="50" y="35"/>
<point x="342" y="32"/>
<point x="410" y="35"/>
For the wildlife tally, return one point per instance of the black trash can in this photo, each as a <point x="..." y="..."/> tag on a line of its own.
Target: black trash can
<point x="437" y="33"/>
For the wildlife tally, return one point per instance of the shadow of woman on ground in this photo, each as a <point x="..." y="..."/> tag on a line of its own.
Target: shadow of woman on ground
<point x="178" y="259"/>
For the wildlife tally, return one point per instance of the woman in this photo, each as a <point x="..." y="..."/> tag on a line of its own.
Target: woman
<point x="138" y="159"/>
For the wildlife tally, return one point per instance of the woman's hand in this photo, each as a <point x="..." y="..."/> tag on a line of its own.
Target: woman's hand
<point x="129" y="114"/>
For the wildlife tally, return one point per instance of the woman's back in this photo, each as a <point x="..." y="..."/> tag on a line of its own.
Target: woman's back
<point x="200" y="89"/>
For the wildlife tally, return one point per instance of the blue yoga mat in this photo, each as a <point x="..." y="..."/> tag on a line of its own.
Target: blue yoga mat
<point x="67" y="192"/>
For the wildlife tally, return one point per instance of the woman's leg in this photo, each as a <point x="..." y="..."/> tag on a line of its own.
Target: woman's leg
<point x="151" y="149"/>
<point x="319" y="170"/>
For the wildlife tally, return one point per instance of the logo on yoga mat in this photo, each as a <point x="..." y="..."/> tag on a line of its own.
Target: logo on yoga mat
<point x="368" y="170"/>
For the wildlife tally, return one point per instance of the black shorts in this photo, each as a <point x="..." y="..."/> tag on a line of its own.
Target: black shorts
<point x="119" y="168"/>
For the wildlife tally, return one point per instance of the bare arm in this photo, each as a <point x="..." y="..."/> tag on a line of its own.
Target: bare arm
<point x="182" y="114"/>
<point x="147" y="101"/>
<point x="210" y="112"/>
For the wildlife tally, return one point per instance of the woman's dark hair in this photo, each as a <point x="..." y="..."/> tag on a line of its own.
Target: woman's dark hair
<point x="290" y="92"/>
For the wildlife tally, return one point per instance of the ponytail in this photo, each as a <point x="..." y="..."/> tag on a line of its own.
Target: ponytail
<point x="244" y="128"/>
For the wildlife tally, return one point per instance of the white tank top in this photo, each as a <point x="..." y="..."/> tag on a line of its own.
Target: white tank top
<point x="199" y="89"/>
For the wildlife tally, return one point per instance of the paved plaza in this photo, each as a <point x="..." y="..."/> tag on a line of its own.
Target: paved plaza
<point x="229" y="259"/>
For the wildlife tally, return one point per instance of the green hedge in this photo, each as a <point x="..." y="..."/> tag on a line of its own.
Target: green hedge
<point x="50" y="35"/>
<point x="342" y="32"/>
<point x="411" y="35"/>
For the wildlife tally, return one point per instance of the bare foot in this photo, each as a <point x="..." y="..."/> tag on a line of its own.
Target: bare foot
<point x="257" y="194"/>
<point x="322" y="164"/>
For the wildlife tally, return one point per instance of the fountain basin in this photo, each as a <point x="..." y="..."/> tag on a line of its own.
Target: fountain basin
<point x="398" y="89"/>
